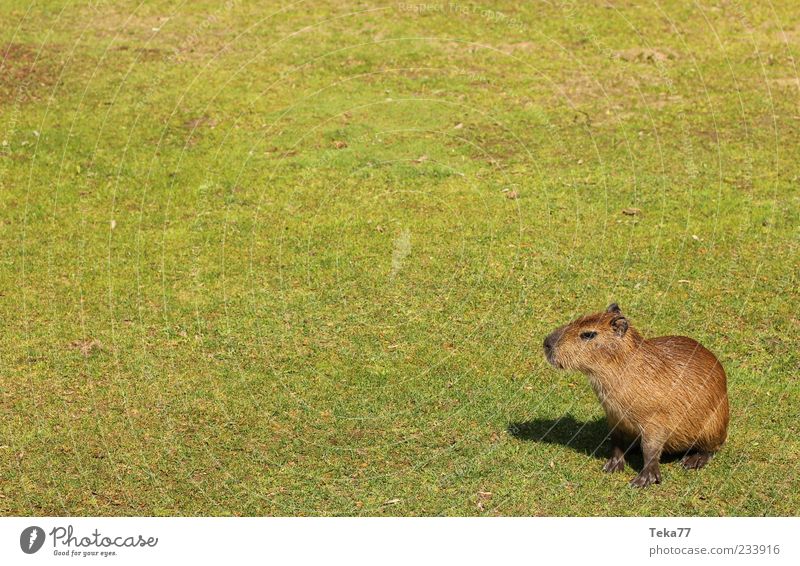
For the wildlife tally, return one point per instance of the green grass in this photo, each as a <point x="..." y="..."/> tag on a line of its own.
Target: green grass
<point x="262" y="261"/>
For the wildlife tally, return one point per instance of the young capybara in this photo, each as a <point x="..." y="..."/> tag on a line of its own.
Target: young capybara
<point x="669" y="394"/>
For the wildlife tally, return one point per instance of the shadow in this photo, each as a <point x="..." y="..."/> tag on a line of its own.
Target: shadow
<point x="589" y="438"/>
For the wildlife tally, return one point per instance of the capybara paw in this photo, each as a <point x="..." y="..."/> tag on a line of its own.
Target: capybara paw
<point x="646" y="477"/>
<point x="695" y="460"/>
<point x="614" y="464"/>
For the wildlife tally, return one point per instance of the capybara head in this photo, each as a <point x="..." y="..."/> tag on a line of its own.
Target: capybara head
<point x="591" y="341"/>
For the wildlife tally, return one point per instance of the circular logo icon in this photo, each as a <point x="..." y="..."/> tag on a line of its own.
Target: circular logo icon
<point x="31" y="539"/>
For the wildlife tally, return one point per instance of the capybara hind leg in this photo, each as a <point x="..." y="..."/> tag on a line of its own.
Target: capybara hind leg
<point x="696" y="460"/>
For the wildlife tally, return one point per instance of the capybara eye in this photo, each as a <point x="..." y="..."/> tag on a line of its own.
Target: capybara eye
<point x="588" y="335"/>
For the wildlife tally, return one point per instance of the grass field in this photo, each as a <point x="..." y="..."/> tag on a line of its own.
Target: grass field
<point x="299" y="258"/>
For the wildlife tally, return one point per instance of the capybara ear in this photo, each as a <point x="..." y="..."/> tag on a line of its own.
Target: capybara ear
<point x="620" y="325"/>
<point x="614" y="307"/>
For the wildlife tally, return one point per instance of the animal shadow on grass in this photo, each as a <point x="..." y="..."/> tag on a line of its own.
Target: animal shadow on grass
<point x="589" y="438"/>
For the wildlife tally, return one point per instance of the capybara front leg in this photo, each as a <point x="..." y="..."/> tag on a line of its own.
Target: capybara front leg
<point x="617" y="461"/>
<point x="650" y="474"/>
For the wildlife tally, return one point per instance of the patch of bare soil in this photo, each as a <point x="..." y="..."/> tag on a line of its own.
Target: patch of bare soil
<point x="147" y="54"/>
<point x="644" y="55"/>
<point x="86" y="347"/>
<point x="790" y="83"/>
<point x="157" y="37"/>
<point x="24" y="73"/>
<point x="200" y="121"/>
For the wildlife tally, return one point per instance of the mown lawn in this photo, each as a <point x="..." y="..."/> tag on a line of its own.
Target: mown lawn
<point x="299" y="258"/>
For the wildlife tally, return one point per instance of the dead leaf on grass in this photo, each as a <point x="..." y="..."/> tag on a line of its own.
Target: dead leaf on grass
<point x="483" y="497"/>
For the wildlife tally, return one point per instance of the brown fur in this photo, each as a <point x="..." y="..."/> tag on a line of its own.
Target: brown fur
<point x="668" y="393"/>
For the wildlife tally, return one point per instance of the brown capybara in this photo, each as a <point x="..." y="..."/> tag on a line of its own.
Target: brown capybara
<point x="668" y="394"/>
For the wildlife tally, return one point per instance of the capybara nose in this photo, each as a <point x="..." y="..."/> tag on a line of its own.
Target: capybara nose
<point x="548" y="344"/>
